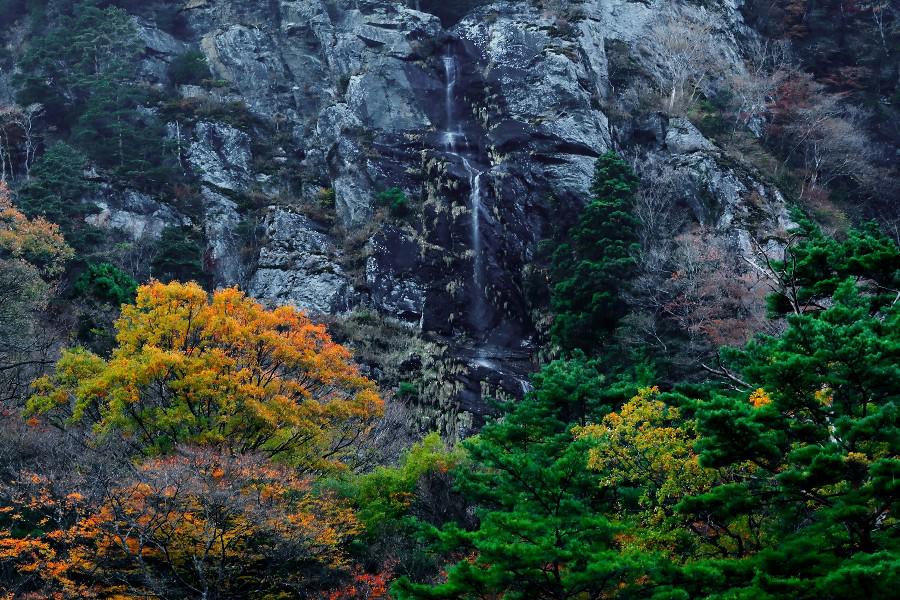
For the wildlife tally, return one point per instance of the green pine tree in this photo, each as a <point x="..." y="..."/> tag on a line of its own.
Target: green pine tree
<point x="815" y="515"/>
<point x="816" y="264"/>
<point x="57" y="190"/>
<point x="88" y="47"/>
<point x="179" y="256"/>
<point x="542" y="529"/>
<point x="106" y="283"/>
<point x="591" y="269"/>
<point x="85" y="71"/>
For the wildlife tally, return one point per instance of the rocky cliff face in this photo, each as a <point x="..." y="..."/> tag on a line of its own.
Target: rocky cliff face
<point x="490" y="126"/>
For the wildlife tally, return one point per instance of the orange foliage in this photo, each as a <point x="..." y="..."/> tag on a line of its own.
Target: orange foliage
<point x="200" y="523"/>
<point x="48" y="544"/>
<point x="220" y="371"/>
<point x="215" y="521"/>
<point x="36" y="241"/>
<point x="759" y="398"/>
<point x="368" y="586"/>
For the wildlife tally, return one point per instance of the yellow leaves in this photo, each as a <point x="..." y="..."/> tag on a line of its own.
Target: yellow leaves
<point x="858" y="458"/>
<point x="647" y="444"/>
<point x="190" y="368"/>
<point x="403" y="499"/>
<point x="824" y="396"/>
<point x="759" y="398"/>
<point x="212" y="388"/>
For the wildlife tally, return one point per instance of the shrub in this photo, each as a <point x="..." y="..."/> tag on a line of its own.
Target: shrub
<point x="327" y="197"/>
<point x="407" y="390"/>
<point x="106" y="283"/>
<point x="189" y="68"/>
<point x="395" y="200"/>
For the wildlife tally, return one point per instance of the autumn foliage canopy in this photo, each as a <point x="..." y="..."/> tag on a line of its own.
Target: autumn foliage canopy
<point x="220" y="371"/>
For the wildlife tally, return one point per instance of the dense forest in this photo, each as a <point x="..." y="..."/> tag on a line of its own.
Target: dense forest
<point x="462" y="300"/>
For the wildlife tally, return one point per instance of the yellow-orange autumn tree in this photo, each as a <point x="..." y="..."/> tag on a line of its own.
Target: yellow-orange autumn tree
<point x="198" y="524"/>
<point x="37" y="241"/>
<point x="210" y="524"/>
<point x="217" y="371"/>
<point x="227" y="413"/>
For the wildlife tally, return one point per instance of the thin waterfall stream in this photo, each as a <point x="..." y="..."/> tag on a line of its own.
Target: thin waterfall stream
<point x="453" y="133"/>
<point x="485" y="356"/>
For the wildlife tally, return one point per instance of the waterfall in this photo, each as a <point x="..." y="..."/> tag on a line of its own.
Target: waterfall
<point x="452" y="129"/>
<point x="450" y="73"/>
<point x="451" y="135"/>
<point x="479" y="308"/>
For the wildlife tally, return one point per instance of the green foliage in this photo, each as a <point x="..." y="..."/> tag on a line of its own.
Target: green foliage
<point x="113" y="132"/>
<point x="193" y="110"/>
<point x="327" y="197"/>
<point x="106" y="283"/>
<point x="57" y="185"/>
<point x="816" y="265"/>
<point x="85" y="73"/>
<point x="818" y="420"/>
<point x="56" y="191"/>
<point x="407" y="390"/>
<point x="395" y="200"/>
<point x="792" y="492"/>
<point x="90" y="48"/>
<point x="395" y="503"/>
<point x="386" y="494"/>
<point x="710" y="119"/>
<point x="592" y="267"/>
<point x="101" y="290"/>
<point x="542" y="529"/>
<point x="189" y="68"/>
<point x="179" y="256"/>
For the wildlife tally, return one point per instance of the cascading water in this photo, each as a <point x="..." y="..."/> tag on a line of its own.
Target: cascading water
<point x="478" y="255"/>
<point x="486" y="357"/>
<point x="450" y="74"/>
<point x="453" y="133"/>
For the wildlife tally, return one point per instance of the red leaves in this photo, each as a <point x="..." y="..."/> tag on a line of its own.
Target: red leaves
<point x="368" y="586"/>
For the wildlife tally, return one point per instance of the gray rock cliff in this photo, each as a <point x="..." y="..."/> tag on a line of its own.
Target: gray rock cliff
<point x="490" y="126"/>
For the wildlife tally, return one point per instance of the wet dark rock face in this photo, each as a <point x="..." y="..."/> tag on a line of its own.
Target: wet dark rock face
<point x="347" y="98"/>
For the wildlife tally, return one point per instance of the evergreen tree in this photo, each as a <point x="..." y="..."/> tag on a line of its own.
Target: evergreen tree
<point x="190" y="68"/>
<point x="818" y="419"/>
<point x="85" y="72"/>
<point x="179" y="256"/>
<point x="542" y="529"/>
<point x="591" y="269"/>
<point x="90" y="48"/>
<point x="56" y="191"/>
<point x="815" y="265"/>
<point x="106" y="283"/>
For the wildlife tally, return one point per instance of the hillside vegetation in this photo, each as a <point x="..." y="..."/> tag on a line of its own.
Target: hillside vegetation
<point x="519" y="300"/>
